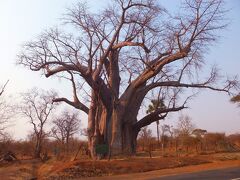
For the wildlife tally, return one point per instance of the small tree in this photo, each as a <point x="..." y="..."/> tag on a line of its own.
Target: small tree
<point x="164" y="129"/>
<point x="199" y="134"/>
<point x="155" y="105"/>
<point x="65" y="126"/>
<point x="5" y="113"/>
<point x="37" y="106"/>
<point x="185" y="128"/>
<point x="146" y="137"/>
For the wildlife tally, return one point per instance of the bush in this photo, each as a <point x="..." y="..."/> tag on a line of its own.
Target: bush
<point x="102" y="150"/>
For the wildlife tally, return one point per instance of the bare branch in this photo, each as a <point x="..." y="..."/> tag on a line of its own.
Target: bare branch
<point x="155" y="116"/>
<point x="3" y="88"/>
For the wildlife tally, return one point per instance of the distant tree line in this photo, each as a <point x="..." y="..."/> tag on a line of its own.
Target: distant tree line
<point x="185" y="139"/>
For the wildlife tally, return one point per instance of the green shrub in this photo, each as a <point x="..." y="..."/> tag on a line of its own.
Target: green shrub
<point x="102" y="149"/>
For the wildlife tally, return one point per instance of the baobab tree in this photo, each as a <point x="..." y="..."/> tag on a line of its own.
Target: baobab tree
<point x="37" y="106"/>
<point x="121" y="54"/>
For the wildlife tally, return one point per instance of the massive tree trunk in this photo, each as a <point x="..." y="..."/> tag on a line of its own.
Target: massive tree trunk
<point x="110" y="128"/>
<point x="114" y="125"/>
<point x="121" y="138"/>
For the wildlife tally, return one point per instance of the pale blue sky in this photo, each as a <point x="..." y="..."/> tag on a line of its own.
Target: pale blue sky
<point x="22" y="20"/>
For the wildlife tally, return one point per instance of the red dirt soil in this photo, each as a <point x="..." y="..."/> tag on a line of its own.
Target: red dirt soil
<point x="80" y="169"/>
<point x="115" y="169"/>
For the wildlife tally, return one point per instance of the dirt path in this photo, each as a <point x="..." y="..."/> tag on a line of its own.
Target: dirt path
<point x="173" y="171"/>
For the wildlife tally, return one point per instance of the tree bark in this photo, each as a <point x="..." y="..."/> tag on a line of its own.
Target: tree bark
<point x="38" y="148"/>
<point x="112" y="127"/>
<point x="158" y="136"/>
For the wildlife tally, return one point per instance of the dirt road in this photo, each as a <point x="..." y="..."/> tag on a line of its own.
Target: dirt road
<point x="219" y="174"/>
<point x="174" y="171"/>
